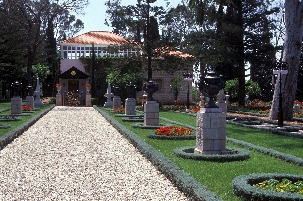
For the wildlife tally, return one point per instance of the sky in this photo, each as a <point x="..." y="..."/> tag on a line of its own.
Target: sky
<point x="95" y="13"/>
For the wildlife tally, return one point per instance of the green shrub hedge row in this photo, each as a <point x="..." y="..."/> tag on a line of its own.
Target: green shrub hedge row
<point x="285" y="157"/>
<point x="243" y="187"/>
<point x="11" y="135"/>
<point x="187" y="184"/>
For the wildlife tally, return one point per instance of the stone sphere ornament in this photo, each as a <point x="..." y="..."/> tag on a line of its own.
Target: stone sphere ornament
<point x="211" y="84"/>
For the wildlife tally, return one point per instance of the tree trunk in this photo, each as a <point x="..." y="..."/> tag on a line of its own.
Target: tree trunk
<point x="240" y="50"/>
<point x="291" y="55"/>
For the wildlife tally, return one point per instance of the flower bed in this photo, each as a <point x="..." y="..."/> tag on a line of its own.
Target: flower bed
<point x="244" y="187"/>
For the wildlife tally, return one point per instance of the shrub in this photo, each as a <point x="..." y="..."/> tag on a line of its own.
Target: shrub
<point x="243" y="186"/>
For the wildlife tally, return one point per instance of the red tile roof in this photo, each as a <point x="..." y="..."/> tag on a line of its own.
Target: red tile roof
<point x="97" y="37"/>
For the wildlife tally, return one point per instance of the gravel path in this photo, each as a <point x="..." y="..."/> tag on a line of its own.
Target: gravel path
<point x="73" y="153"/>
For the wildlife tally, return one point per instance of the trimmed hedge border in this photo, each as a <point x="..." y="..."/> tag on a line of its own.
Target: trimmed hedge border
<point x="10" y="136"/>
<point x="187" y="184"/>
<point x="242" y="187"/>
<point x="187" y="152"/>
<point x="172" y="137"/>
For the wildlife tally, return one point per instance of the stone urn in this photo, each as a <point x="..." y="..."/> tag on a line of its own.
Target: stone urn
<point x="211" y="84"/>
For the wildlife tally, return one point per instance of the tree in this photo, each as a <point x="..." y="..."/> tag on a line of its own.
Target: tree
<point x="291" y="55"/>
<point x="33" y="19"/>
<point x="234" y="35"/>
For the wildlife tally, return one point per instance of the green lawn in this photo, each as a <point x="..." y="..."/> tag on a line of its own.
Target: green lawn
<point x="218" y="176"/>
<point x="14" y="124"/>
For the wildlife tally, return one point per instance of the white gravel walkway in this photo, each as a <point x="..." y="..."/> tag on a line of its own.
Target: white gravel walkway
<point x="73" y="153"/>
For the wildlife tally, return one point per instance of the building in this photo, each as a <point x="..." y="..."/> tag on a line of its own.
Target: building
<point x="74" y="76"/>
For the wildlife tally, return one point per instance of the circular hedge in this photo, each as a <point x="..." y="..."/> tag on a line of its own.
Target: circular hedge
<point x="172" y="137"/>
<point x="234" y="154"/>
<point x="243" y="187"/>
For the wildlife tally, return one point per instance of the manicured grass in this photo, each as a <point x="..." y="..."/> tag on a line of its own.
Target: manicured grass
<point x="284" y="144"/>
<point x="15" y="124"/>
<point x="218" y="176"/>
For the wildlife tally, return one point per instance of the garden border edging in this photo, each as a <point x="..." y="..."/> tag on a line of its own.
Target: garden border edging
<point x="13" y="134"/>
<point x="187" y="184"/>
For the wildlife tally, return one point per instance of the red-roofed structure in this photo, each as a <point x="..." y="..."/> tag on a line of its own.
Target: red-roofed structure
<point x="82" y="45"/>
<point x="96" y="37"/>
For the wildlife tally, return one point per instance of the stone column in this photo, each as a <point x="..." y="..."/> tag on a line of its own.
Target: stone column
<point x="16" y="105"/>
<point x="30" y="102"/>
<point x="211" y="131"/>
<point x="151" y="113"/>
<point x="58" y="99"/>
<point x="88" y="100"/>
<point x="130" y="106"/>
<point x="116" y="102"/>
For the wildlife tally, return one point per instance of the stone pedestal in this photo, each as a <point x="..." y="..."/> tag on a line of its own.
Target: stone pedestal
<point x="151" y="113"/>
<point x="88" y="100"/>
<point x="30" y="102"/>
<point x="109" y="103"/>
<point x="116" y="102"/>
<point x="16" y="105"/>
<point x="211" y="131"/>
<point x="58" y="99"/>
<point x="130" y="106"/>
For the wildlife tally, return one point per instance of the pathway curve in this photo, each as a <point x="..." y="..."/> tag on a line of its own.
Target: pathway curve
<point x="73" y="153"/>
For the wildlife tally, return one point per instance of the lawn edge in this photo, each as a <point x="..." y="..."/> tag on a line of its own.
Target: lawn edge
<point x="13" y="134"/>
<point x="193" y="189"/>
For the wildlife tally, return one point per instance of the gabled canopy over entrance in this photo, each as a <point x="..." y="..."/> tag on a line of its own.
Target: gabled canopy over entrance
<point x="73" y="73"/>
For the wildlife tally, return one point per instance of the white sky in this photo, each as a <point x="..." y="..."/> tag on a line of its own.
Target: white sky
<point x="94" y="17"/>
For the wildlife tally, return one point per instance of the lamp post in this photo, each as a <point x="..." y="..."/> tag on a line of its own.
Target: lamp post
<point x="187" y="77"/>
<point x="280" y="72"/>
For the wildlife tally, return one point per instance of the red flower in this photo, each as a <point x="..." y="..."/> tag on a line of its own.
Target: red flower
<point x="26" y="108"/>
<point x="173" y="130"/>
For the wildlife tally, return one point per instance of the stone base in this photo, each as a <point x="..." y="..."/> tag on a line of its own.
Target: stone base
<point x="151" y="113"/>
<point x="108" y="104"/>
<point x="116" y="103"/>
<point x="58" y="100"/>
<point x="16" y="105"/>
<point x="88" y="100"/>
<point x="211" y="131"/>
<point x="130" y="106"/>
<point x="30" y="102"/>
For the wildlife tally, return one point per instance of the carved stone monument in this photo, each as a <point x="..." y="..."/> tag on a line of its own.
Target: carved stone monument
<point x="151" y="109"/>
<point x="109" y="95"/>
<point x="29" y="97"/>
<point x="58" y="95"/>
<point x="130" y="102"/>
<point x="37" y="94"/>
<point x="211" y="121"/>
<point x="88" y="96"/>
<point x="116" y="99"/>
<point x="16" y="100"/>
